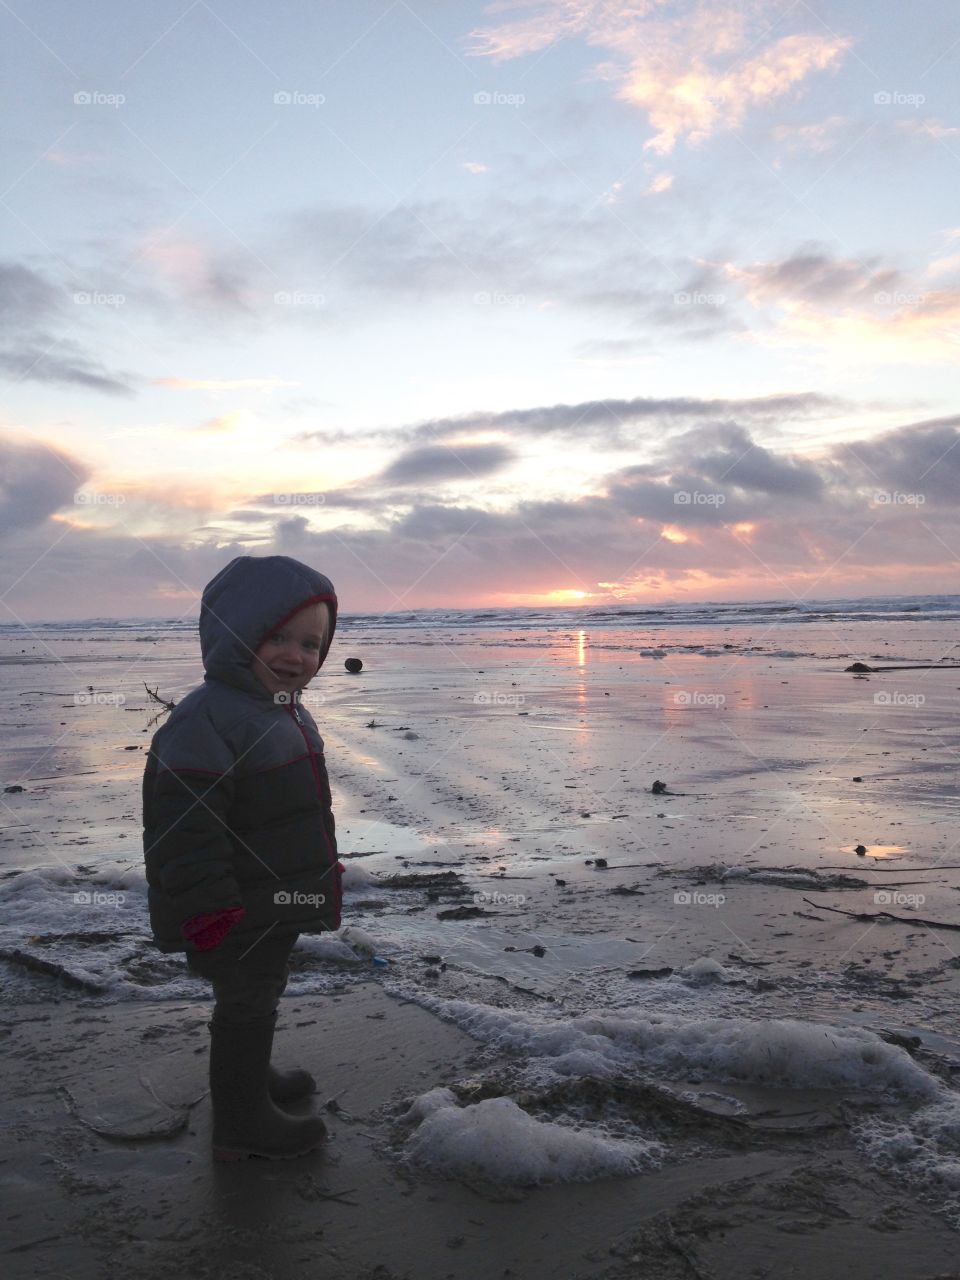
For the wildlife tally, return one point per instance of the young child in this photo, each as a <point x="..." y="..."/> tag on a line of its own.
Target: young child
<point x="239" y="838"/>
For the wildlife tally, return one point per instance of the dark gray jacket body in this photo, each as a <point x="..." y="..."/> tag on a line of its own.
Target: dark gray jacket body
<point x="236" y="801"/>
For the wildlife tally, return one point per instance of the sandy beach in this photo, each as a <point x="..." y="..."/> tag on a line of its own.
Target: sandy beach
<point x="639" y="1035"/>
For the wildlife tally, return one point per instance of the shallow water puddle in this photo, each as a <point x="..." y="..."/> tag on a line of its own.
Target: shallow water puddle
<point x="875" y="850"/>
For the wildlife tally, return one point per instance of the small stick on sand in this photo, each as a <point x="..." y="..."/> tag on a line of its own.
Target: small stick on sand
<point x="862" y="669"/>
<point x="156" y="697"/>
<point x="885" y="915"/>
<point x="51" y="969"/>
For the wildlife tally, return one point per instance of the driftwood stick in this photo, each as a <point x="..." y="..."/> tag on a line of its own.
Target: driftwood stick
<point x="50" y="968"/>
<point x="946" y="866"/>
<point x="156" y="697"/>
<point x="863" y="669"/>
<point x="885" y="915"/>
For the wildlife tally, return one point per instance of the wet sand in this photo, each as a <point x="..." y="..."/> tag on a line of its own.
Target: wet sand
<point x="514" y="768"/>
<point x="87" y="1194"/>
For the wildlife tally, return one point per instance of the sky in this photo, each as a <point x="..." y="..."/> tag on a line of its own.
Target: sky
<point x="533" y="302"/>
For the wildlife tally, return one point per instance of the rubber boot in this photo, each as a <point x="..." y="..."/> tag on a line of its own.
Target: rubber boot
<point x="287" y="1086"/>
<point x="290" y="1086"/>
<point x="245" y="1120"/>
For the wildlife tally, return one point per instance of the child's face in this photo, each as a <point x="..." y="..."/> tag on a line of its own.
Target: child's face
<point x="290" y="658"/>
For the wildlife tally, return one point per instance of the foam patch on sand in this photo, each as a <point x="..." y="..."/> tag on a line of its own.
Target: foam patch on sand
<point x="497" y="1141"/>
<point x="920" y="1145"/>
<point x="704" y="971"/>
<point x="773" y="1052"/>
<point x="356" y="876"/>
<point x="923" y="1149"/>
<point x="56" y="899"/>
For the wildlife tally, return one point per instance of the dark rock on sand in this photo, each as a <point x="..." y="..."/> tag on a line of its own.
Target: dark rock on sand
<point x="353" y="665"/>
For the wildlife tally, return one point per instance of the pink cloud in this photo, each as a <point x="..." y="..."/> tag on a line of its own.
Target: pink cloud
<point x="695" y="69"/>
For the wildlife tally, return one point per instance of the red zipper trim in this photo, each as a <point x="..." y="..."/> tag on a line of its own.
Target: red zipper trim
<point x="292" y="708"/>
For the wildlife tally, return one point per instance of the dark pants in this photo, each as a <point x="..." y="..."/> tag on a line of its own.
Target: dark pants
<point x="248" y="980"/>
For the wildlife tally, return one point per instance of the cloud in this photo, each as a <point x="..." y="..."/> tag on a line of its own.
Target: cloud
<point x="733" y="458"/>
<point x="62" y="363"/>
<point x="817" y="138"/>
<point x="609" y="420"/>
<point x="191" y="269"/>
<point x="431" y="464"/>
<point x="944" y="266"/>
<point x="813" y="275"/>
<point x="223" y="424"/>
<point x="223" y="384"/>
<point x="35" y="481"/>
<point x="25" y="296"/>
<point x="923" y="458"/>
<point x="789" y="523"/>
<point x="861" y="308"/>
<point x="716" y="475"/>
<point x="694" y="68"/>
<point x="930" y="128"/>
<point x="31" y="312"/>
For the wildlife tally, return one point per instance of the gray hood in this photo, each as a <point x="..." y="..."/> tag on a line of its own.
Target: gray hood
<point x="247" y="601"/>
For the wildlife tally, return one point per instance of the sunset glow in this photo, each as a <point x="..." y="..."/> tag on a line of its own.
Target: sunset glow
<point x="640" y="299"/>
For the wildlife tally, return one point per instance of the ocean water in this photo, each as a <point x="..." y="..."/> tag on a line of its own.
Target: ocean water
<point x="884" y="609"/>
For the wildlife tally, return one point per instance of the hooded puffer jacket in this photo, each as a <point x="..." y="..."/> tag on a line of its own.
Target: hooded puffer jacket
<point x="236" y="801"/>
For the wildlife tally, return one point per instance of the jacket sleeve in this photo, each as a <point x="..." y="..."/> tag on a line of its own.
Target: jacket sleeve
<point x="188" y="791"/>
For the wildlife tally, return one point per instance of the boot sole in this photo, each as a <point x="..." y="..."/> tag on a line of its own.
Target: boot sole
<point x="233" y="1155"/>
